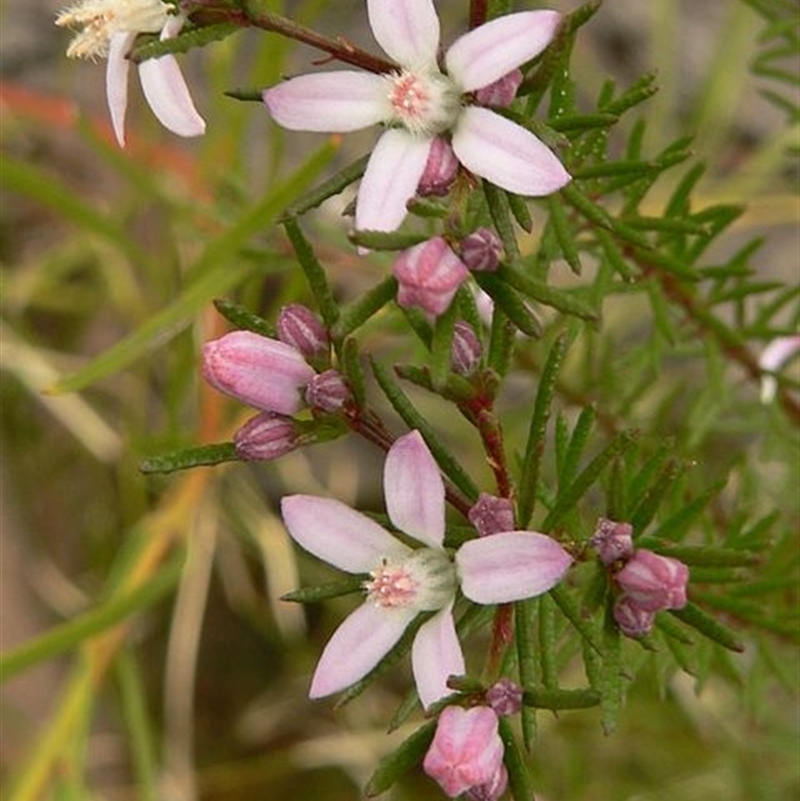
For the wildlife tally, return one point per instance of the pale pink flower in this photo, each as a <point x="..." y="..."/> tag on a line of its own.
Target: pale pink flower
<point x="613" y="541"/>
<point x="491" y="514"/>
<point x="466" y="751"/>
<point x="328" y="391"/>
<point x="263" y="373"/>
<point x="505" y="697"/>
<point x="419" y="102"/>
<point x="466" y="351"/>
<point x="299" y="327"/>
<point x="428" y="276"/>
<point x="633" y="621"/>
<point x="110" y="28"/>
<point x="500" y="93"/>
<point x="441" y="169"/>
<point x="772" y="358"/>
<point x="654" y="582"/>
<point x="481" y="250"/>
<point x="406" y="581"/>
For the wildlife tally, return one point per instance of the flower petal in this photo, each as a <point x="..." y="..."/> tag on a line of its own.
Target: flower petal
<point x="338" y="534"/>
<point x="407" y="30"/>
<point x="329" y="102"/>
<point x="117" y="68"/>
<point x="414" y="490"/>
<point x="510" y="566"/>
<point x="492" y="50"/>
<point x="436" y="655"/>
<point x="390" y="181"/>
<point x="168" y="96"/>
<point x="360" y="642"/>
<point x="506" y="154"/>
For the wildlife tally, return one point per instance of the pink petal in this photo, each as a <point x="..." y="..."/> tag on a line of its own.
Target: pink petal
<point x="407" y="30"/>
<point x="414" y="490"/>
<point x="489" y="52"/>
<point x="168" y="96"/>
<point x="117" y="68"/>
<point x="360" y="642"/>
<point x="436" y="655"/>
<point x="329" y="102"/>
<point x="338" y="534"/>
<point x="393" y="173"/>
<point x="510" y="566"/>
<point x="506" y="154"/>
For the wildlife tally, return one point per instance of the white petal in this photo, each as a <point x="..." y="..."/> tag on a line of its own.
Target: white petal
<point x="491" y="51"/>
<point x="117" y="68"/>
<point x="329" y="102"/>
<point x="360" y="642"/>
<point x="510" y="566"/>
<point x="414" y="490"/>
<point x="338" y="534"/>
<point x="391" y="179"/>
<point x="436" y="655"/>
<point x="407" y="30"/>
<point x="506" y="154"/>
<point x="168" y="96"/>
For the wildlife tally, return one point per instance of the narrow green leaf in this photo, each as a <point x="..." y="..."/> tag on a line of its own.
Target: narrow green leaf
<point x="627" y="271"/>
<point x="577" y="443"/>
<point x="354" y="315"/>
<point x="547" y="642"/>
<point x="569" y="608"/>
<point x="676" y="526"/>
<point x="197" y="456"/>
<point x="562" y="300"/>
<point x="333" y="186"/>
<point x="564" y="234"/>
<point x="386" y="240"/>
<point x="332" y="589"/>
<point x="611" y="674"/>
<point x="519" y="208"/>
<point x="524" y="623"/>
<point x="582" y="122"/>
<point x="561" y="699"/>
<point x="499" y="208"/>
<point x="414" y="420"/>
<point x="243" y="318"/>
<point x="519" y="777"/>
<point x="353" y="371"/>
<point x="501" y="342"/>
<point x="186" y="40"/>
<point x="516" y="308"/>
<point x="73" y="632"/>
<point x="637" y="93"/>
<point x="442" y="346"/>
<point x="648" y="506"/>
<point x="535" y="443"/>
<point x="409" y="754"/>
<point x="692" y="615"/>
<point x="314" y="272"/>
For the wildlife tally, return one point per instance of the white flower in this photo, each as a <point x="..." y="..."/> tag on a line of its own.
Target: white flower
<point x="419" y="102"/>
<point x="405" y="581"/>
<point x="109" y="29"/>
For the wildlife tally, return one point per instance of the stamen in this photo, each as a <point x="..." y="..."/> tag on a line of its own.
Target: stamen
<point x="391" y="586"/>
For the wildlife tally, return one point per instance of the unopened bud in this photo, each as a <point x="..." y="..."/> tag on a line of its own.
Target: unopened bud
<point x="500" y="93"/>
<point x="466" y="750"/>
<point x="429" y="275"/>
<point x="261" y="372"/>
<point x="505" y="697"/>
<point x="327" y="391"/>
<point x="491" y="790"/>
<point x="633" y="621"/>
<point x="467" y="349"/>
<point x="265" y="436"/>
<point x="654" y="582"/>
<point x="491" y="515"/>
<point x="440" y="169"/>
<point x="299" y="327"/>
<point x="613" y="541"/>
<point x="481" y="250"/>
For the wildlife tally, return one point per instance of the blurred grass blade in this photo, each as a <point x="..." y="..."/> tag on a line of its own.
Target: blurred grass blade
<point x="408" y="755"/>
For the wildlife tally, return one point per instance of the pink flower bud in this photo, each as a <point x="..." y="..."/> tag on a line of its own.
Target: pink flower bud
<point x="654" y="582"/>
<point x="327" y="391"/>
<point x="505" y="697"/>
<point x="299" y="327"/>
<point x="613" y="541"/>
<point x="633" y="621"/>
<point x="265" y="436"/>
<point x="261" y="372"/>
<point x="501" y="92"/>
<point x="493" y="789"/>
<point x="429" y="275"/>
<point x="491" y="515"/>
<point x="440" y="169"/>
<point x="467" y="349"/>
<point x="466" y="751"/>
<point x="481" y="250"/>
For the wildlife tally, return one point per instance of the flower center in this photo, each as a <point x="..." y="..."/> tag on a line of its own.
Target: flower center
<point x="426" y="104"/>
<point x="426" y="581"/>
<point x="101" y="19"/>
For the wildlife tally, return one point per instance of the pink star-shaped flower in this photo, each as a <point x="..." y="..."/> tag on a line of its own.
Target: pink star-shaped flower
<point x="405" y="581"/>
<point x="110" y="28"/>
<point x="419" y="102"/>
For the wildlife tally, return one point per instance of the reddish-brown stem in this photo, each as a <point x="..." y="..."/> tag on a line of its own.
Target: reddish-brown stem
<point x="477" y="13"/>
<point x="502" y="636"/>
